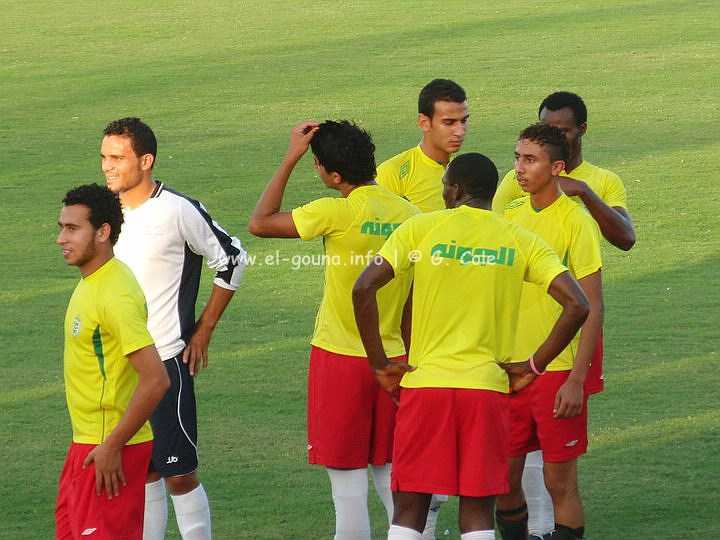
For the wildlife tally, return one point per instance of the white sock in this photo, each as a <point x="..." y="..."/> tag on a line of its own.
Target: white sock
<point x="436" y="501"/>
<point x="192" y="511"/>
<point x="541" y="516"/>
<point x="396" y="532"/>
<point x="156" y="511"/>
<point x="381" y="479"/>
<point x="350" y="493"/>
<point x="487" y="534"/>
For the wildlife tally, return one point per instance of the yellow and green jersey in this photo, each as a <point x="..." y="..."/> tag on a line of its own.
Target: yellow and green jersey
<point x="414" y="176"/>
<point x="571" y="233"/>
<point x="106" y="320"/>
<point x="469" y="266"/>
<point x="353" y="229"/>
<point x="605" y="184"/>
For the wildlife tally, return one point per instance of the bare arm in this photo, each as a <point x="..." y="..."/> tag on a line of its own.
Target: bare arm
<point x="406" y="324"/>
<point x="377" y="274"/>
<point x="614" y="222"/>
<point x="152" y="384"/>
<point x="267" y="220"/>
<point x="566" y="292"/>
<point x="196" y="352"/>
<point x="569" y="399"/>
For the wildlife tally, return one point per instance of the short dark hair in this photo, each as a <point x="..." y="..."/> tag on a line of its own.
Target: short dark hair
<point x="141" y="137"/>
<point x="104" y="206"/>
<point x="476" y="173"/>
<point x="560" y="100"/>
<point x="346" y="149"/>
<point x="549" y="137"/>
<point x="439" y="90"/>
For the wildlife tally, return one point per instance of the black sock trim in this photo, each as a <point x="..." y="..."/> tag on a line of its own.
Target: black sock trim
<point x="519" y="510"/>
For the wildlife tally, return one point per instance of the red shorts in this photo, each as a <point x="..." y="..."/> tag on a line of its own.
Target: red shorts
<point x="350" y="419"/>
<point x="595" y="379"/>
<point x="451" y="441"/>
<point x="532" y="426"/>
<point x="80" y="512"/>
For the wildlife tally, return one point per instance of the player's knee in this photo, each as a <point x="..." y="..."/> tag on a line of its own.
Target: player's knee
<point x="513" y="524"/>
<point x="180" y="485"/>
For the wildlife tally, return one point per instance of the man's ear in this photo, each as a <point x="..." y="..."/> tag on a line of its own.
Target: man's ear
<point x="102" y="234"/>
<point x="424" y="122"/>
<point x="582" y="129"/>
<point x="147" y="161"/>
<point x="558" y="167"/>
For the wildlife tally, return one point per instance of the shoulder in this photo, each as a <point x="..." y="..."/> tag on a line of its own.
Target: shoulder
<point x="398" y="163"/>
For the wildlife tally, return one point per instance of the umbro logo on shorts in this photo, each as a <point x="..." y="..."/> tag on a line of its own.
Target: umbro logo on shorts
<point x="88" y="531"/>
<point x="171" y="459"/>
<point x="572" y="443"/>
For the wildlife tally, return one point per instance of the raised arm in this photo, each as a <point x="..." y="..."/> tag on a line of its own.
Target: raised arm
<point x="614" y="222"/>
<point x="267" y="220"/>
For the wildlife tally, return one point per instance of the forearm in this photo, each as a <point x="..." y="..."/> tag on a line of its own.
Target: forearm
<point x="589" y="336"/>
<point x="271" y="199"/>
<point x="614" y="226"/>
<point x="152" y="384"/>
<point x="215" y="307"/>
<point x="367" y="319"/>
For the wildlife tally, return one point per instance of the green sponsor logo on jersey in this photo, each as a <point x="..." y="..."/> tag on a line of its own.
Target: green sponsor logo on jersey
<point x="404" y="169"/>
<point x="378" y="228"/>
<point x="480" y="256"/>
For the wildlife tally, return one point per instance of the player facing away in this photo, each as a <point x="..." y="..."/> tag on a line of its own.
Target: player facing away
<point x="551" y="414"/>
<point x="113" y="377"/>
<point x="603" y="194"/>
<point x="469" y="268"/>
<point x="416" y="174"/>
<point x="350" y="421"/>
<point x="163" y="240"/>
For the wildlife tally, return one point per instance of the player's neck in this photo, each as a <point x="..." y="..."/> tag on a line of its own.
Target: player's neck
<point x="475" y="202"/>
<point x="96" y="263"/>
<point x="547" y="195"/>
<point x="575" y="161"/>
<point x="132" y="198"/>
<point x="440" y="156"/>
<point x="346" y="188"/>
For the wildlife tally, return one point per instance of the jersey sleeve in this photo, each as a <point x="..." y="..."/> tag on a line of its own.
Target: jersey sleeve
<point x="321" y="217"/>
<point x="584" y="252"/>
<point x="388" y="176"/>
<point x="614" y="193"/>
<point x="507" y="191"/>
<point x="543" y="264"/>
<point x="398" y="249"/>
<point x="124" y="317"/>
<point x="205" y="237"/>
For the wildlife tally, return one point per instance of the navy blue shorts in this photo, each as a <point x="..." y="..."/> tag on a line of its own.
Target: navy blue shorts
<point x="174" y="424"/>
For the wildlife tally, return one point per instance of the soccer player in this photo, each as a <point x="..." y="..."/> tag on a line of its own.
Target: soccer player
<point x="163" y="240"/>
<point x="452" y="425"/>
<point x="603" y="195"/>
<point x="350" y="421"/>
<point x="113" y="377"/>
<point x="416" y="174"/>
<point x="551" y="414"/>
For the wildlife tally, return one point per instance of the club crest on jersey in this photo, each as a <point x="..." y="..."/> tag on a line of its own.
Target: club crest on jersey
<point x="76" y="325"/>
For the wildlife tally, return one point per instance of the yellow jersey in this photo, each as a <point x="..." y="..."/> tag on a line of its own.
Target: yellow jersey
<point x="414" y="176"/>
<point x="106" y="320"/>
<point x="469" y="266"/>
<point x="605" y="184"/>
<point x="353" y="229"/>
<point x="571" y="233"/>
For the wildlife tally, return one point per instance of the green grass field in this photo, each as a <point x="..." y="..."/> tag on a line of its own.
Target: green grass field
<point x="221" y="83"/>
